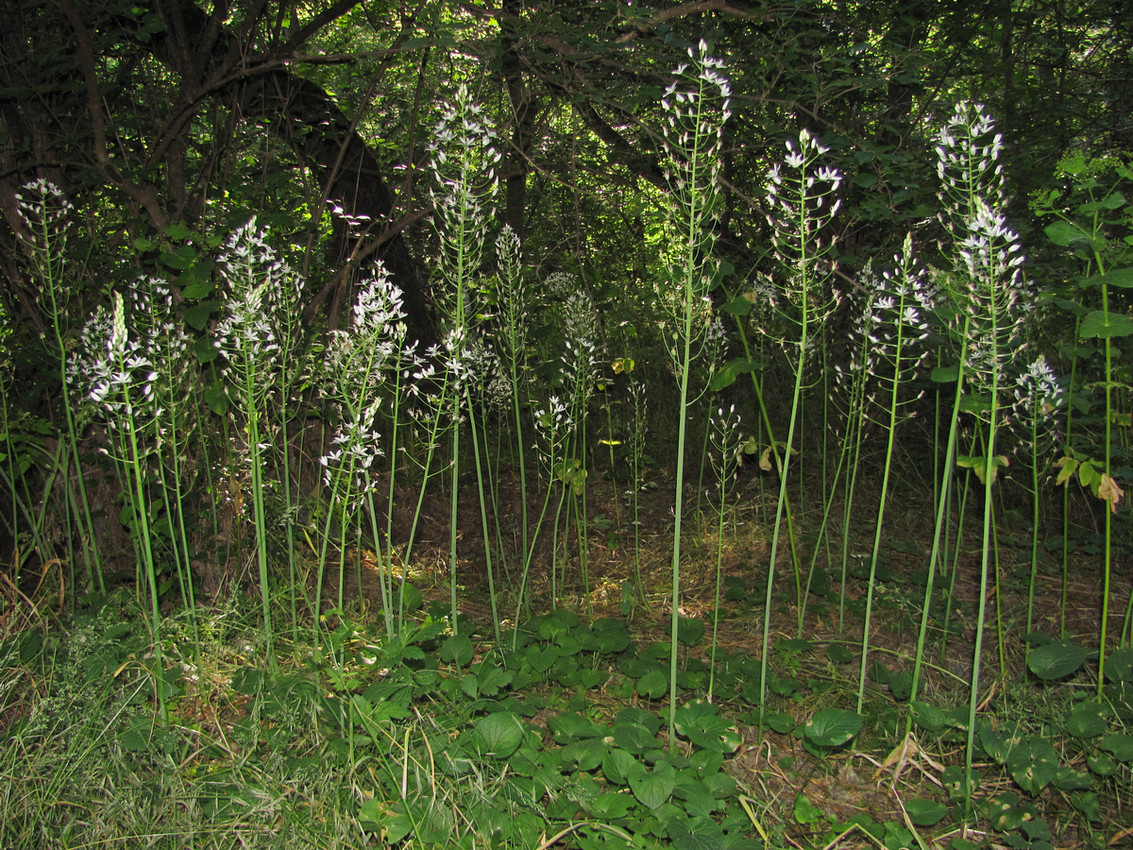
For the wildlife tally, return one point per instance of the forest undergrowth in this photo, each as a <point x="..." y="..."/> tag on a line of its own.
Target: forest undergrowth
<point x="719" y="561"/>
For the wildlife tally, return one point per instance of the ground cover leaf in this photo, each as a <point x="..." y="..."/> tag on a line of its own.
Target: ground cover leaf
<point x="1118" y="746"/>
<point x="1086" y="720"/>
<point x="498" y="734"/>
<point x="924" y="812"/>
<point x="1056" y="660"/>
<point x="832" y="727"/>
<point x="652" y="787"/>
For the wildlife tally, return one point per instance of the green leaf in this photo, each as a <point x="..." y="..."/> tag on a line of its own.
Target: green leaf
<point x="838" y="654"/>
<point x="738" y="306"/>
<point x="806" y="812"/>
<point x="1087" y="720"/>
<point x="701" y="724"/>
<point x="653" y="684"/>
<point x="925" y="812"/>
<point x="832" y="727"/>
<point x="1121" y="278"/>
<point x="177" y="231"/>
<point x="498" y="735"/>
<point x="1118" y="746"/>
<point x="1095" y="326"/>
<point x="457" y="650"/>
<point x="698" y="833"/>
<point x="928" y="717"/>
<point x="616" y="764"/>
<point x="541" y="660"/>
<point x="689" y="630"/>
<point x="1068" y="779"/>
<point x="1056" y="660"/>
<point x="198" y="315"/>
<point x="1032" y="764"/>
<point x="652" y="787"/>
<point x="1063" y="233"/>
<point x="945" y="374"/>
<point x="726" y="375"/>
<point x="569" y="726"/>
<point x="612" y="805"/>
<point x="178" y="259"/>
<point x="634" y="738"/>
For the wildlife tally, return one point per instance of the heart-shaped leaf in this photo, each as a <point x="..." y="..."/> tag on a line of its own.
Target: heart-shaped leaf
<point x="653" y="684"/>
<point x="457" y="649"/>
<point x="832" y="727"/>
<point x="652" y="787"/>
<point x="498" y="735"/>
<point x="1056" y="660"/>
<point x="925" y="812"/>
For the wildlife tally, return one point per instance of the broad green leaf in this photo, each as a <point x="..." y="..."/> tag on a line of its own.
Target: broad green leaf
<point x="612" y="805"/>
<point x="1118" y="746"/>
<point x="199" y="315"/>
<point x="832" y="727"/>
<point x="945" y="374"/>
<point x="1119" y="666"/>
<point x="689" y="630"/>
<point x="457" y="649"/>
<point x="727" y="374"/>
<point x="925" y="812"/>
<point x="653" y="684"/>
<point x="652" y="787"/>
<point x="498" y="734"/>
<point x="1032" y="764"/>
<point x="1068" y="779"/>
<point x="700" y="723"/>
<point x="633" y="714"/>
<point x="1095" y="325"/>
<point x="838" y="654"/>
<point x="1087" y="720"/>
<point x="569" y="726"/>
<point x="176" y="231"/>
<point x="807" y="812"/>
<point x="928" y="717"/>
<point x="541" y="659"/>
<point x="1063" y="233"/>
<point x="617" y="763"/>
<point x="697" y="833"/>
<point x="1056" y="660"/>
<point x="1121" y="278"/>
<point x="634" y="738"/>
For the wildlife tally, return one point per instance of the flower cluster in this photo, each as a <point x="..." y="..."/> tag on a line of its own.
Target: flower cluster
<point x="1038" y="393"/>
<point x="349" y="464"/>
<point x="967" y="164"/>
<point x="725" y="436"/>
<point x="988" y="283"/>
<point x="464" y="157"/>
<point x="46" y="213"/>
<point x="894" y="322"/>
<point x="120" y="377"/>
<point x="257" y="331"/>
<point x="802" y="198"/>
<point x="991" y="292"/>
<point x="582" y="345"/>
<point x="359" y="360"/>
<point x="697" y="105"/>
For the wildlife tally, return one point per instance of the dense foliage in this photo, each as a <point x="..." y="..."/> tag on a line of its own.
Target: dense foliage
<point x="312" y="303"/>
